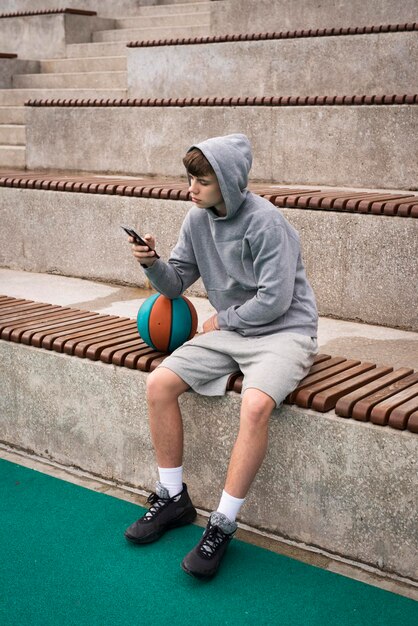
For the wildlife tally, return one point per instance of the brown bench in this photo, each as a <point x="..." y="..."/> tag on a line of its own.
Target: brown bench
<point x="378" y="203"/>
<point x="47" y="12"/>
<point x="358" y="390"/>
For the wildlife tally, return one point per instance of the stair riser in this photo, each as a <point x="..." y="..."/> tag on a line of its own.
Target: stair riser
<point x="163" y="20"/>
<point x="320" y="145"/>
<point x="168" y="9"/>
<point x="12" y="115"/>
<point x="96" y="49"/>
<point x="151" y="33"/>
<point x="92" y="64"/>
<point x="12" y="156"/>
<point x="88" y="80"/>
<point x="299" y="67"/>
<point x="338" y="248"/>
<point x="12" y="135"/>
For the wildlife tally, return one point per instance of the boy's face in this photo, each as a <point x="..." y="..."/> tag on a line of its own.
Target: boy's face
<point x="206" y="193"/>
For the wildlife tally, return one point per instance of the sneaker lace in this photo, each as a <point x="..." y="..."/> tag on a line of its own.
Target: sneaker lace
<point x="213" y="538"/>
<point x="157" y="503"/>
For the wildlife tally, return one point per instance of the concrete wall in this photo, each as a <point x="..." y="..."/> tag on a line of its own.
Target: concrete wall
<point x="347" y="487"/>
<point x="8" y="67"/>
<point x="363" y="146"/>
<point x="362" y="267"/>
<point x="45" y="36"/>
<point x="104" y="8"/>
<point x="360" y="64"/>
<point x="251" y="16"/>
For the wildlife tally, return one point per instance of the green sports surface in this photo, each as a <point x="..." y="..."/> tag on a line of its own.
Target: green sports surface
<point x="65" y="561"/>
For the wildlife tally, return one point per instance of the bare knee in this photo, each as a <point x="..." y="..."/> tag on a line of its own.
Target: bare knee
<point x="256" y="408"/>
<point x="164" y="385"/>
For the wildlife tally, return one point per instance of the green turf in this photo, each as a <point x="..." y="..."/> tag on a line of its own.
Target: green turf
<point x="64" y="561"/>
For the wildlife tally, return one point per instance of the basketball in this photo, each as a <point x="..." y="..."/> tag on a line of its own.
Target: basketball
<point x="165" y="324"/>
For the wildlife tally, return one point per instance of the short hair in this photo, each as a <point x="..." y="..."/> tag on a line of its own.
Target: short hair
<point x="197" y="164"/>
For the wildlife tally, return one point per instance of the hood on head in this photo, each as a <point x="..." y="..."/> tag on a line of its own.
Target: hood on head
<point x="231" y="159"/>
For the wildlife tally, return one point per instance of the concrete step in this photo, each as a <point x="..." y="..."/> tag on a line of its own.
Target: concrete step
<point x="353" y="340"/>
<point x="78" y="50"/>
<point x="319" y="145"/>
<point x="358" y="64"/>
<point x="381" y="250"/>
<point x="19" y="96"/>
<point x="145" y="34"/>
<point x="12" y="115"/>
<point x="174" y="8"/>
<point x="83" y="64"/>
<point x="46" y="387"/>
<point x="87" y="80"/>
<point x="12" y="134"/>
<point x="12" y="156"/>
<point x="247" y="16"/>
<point x="164" y="19"/>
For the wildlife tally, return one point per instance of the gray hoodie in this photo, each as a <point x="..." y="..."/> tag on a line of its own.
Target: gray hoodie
<point x="250" y="260"/>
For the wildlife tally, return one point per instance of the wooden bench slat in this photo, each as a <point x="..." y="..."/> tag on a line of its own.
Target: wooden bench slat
<point x="120" y="356"/>
<point x="5" y="301"/>
<point x="362" y="409"/>
<point x="149" y="363"/>
<point x="312" y="379"/>
<point x="366" y="206"/>
<point x="80" y="347"/>
<point x="58" y="343"/>
<point x="413" y="422"/>
<point x="359" y="390"/>
<point x="305" y="396"/>
<point x="345" y="404"/>
<point x="18" y="330"/>
<point x="20" y="308"/>
<point x="122" y="346"/>
<point x="7" y="327"/>
<point x="327" y="399"/>
<point x="44" y="338"/>
<point x="381" y="412"/>
<point x="69" y="322"/>
<point x="41" y="340"/>
<point x="399" y="417"/>
<point x="94" y="350"/>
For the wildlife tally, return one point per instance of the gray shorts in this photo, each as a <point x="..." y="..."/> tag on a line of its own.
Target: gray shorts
<point x="274" y="363"/>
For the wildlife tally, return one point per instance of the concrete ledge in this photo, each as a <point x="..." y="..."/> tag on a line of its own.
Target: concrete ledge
<point x="9" y="67"/>
<point x="245" y="16"/>
<point x="347" y="487"/>
<point x="360" y="266"/>
<point x="43" y="36"/>
<point x="306" y="145"/>
<point x="384" y="63"/>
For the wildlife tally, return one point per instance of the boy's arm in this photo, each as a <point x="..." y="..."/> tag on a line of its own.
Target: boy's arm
<point x="173" y="278"/>
<point x="275" y="257"/>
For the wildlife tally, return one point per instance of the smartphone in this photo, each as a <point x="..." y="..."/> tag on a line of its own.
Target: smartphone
<point x="139" y="240"/>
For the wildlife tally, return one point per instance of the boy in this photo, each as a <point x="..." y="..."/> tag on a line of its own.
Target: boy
<point x="249" y="259"/>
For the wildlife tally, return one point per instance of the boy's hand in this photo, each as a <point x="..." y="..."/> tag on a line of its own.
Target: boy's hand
<point x="211" y="324"/>
<point x="143" y="254"/>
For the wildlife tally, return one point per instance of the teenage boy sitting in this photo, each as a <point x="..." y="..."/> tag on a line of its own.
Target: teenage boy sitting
<point x="249" y="259"/>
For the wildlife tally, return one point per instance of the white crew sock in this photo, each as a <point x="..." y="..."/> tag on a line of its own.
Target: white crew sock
<point x="172" y="479"/>
<point x="230" y="506"/>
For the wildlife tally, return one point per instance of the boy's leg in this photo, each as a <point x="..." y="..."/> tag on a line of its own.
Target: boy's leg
<point x="164" y="388"/>
<point x="251" y="444"/>
<point x="168" y="510"/>
<point x="247" y="456"/>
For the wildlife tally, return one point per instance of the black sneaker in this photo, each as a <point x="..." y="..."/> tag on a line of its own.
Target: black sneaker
<point x="204" y="560"/>
<point x="163" y="514"/>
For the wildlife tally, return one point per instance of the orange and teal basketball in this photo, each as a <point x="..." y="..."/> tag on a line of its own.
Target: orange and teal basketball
<point x="165" y="324"/>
